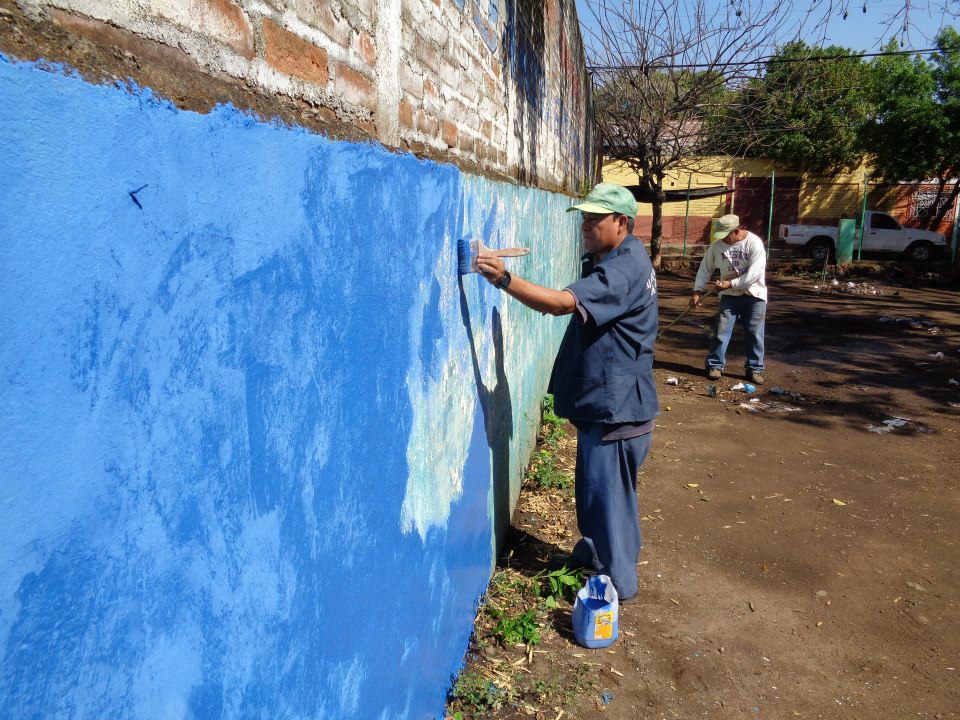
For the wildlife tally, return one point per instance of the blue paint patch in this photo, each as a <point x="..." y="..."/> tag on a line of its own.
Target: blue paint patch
<point x="253" y="417"/>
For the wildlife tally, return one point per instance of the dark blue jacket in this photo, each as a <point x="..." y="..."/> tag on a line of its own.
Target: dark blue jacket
<point x="604" y="368"/>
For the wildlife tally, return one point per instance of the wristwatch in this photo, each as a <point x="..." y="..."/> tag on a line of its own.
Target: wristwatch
<point x="505" y="280"/>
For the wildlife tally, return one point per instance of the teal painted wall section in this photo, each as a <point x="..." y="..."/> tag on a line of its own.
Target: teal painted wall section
<point x="257" y="432"/>
<point x="508" y="216"/>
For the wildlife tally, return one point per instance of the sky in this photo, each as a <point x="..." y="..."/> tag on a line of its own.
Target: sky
<point x="867" y="32"/>
<point x="864" y="31"/>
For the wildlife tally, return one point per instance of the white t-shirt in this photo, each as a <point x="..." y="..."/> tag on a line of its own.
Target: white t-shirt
<point x="742" y="263"/>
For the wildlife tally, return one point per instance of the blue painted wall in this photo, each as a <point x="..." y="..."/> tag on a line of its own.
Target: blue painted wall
<point x="256" y="435"/>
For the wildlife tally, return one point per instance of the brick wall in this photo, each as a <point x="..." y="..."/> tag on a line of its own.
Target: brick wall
<point x="498" y="85"/>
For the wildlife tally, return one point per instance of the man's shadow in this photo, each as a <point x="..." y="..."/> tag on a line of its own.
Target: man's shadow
<point x="497" y="409"/>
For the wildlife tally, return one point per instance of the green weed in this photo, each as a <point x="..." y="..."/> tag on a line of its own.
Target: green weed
<point x="584" y="681"/>
<point x="475" y="692"/>
<point x="563" y="689"/>
<point x="551" y="425"/>
<point x="522" y="628"/>
<point x="502" y="583"/>
<point x="544" y="689"/>
<point x="563" y="583"/>
<point x="545" y="473"/>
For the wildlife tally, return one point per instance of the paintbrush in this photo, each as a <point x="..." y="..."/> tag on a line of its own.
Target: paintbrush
<point x="468" y="250"/>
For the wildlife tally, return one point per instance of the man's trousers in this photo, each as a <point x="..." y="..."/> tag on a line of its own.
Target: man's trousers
<point x="606" y="497"/>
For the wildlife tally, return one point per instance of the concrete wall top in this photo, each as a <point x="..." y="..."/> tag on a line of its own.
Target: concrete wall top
<point x="496" y="86"/>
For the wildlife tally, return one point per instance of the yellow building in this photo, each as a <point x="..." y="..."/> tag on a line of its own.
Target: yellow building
<point x="796" y="197"/>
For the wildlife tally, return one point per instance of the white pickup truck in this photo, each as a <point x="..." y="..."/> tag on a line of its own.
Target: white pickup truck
<point x="884" y="234"/>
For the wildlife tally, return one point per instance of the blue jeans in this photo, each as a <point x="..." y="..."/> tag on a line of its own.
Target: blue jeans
<point x="750" y="313"/>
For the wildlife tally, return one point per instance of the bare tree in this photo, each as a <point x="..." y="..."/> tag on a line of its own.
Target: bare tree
<point x="666" y="71"/>
<point x="907" y="22"/>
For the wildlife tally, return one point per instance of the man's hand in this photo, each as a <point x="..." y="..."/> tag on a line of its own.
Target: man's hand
<point x="695" y="299"/>
<point x="722" y="284"/>
<point x="491" y="267"/>
<point x="537" y="297"/>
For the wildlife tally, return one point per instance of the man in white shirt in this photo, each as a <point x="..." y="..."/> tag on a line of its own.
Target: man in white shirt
<point x="741" y="259"/>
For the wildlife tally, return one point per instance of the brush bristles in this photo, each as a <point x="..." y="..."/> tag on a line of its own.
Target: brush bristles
<point x="467" y="251"/>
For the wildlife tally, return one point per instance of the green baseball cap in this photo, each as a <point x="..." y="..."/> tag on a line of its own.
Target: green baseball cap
<point x="606" y="198"/>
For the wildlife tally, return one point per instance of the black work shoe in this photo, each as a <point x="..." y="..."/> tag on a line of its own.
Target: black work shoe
<point x="559" y="560"/>
<point x="755" y="377"/>
<point x="714" y="373"/>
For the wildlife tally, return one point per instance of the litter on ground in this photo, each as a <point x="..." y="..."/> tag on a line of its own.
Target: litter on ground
<point x="777" y="390"/>
<point x="894" y="424"/>
<point x="915" y="323"/>
<point x="771" y="406"/>
<point x="849" y="288"/>
<point x="860" y="289"/>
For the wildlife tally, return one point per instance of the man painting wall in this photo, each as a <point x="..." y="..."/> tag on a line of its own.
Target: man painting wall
<point x="602" y="378"/>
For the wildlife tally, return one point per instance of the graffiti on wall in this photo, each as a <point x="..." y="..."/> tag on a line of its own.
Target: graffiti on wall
<point x="927" y="203"/>
<point x="252" y="409"/>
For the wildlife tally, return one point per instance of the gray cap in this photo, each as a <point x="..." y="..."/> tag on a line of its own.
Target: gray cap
<point x="724" y="226"/>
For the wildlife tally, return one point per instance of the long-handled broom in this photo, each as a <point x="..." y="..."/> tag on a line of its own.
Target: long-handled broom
<point x="684" y="313"/>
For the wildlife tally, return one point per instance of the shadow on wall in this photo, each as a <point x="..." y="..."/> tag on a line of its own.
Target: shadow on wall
<point x="497" y="410"/>
<point x="524" y="39"/>
<point x="545" y="65"/>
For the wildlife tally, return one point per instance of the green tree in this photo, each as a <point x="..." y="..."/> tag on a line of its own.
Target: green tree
<point x="661" y="75"/>
<point x="914" y="133"/>
<point x="805" y="110"/>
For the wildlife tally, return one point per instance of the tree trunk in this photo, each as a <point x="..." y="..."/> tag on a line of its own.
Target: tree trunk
<point x="656" y="229"/>
<point x="947" y="206"/>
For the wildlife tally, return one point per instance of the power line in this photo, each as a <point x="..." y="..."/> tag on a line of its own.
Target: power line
<point x="763" y="61"/>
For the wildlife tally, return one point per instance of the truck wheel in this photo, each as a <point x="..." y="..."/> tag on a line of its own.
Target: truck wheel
<point x="920" y="251"/>
<point x="820" y="249"/>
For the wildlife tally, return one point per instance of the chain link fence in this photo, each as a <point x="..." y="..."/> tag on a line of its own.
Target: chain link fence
<point x="766" y="205"/>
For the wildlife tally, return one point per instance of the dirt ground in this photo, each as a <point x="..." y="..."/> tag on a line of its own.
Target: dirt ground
<point x="795" y="563"/>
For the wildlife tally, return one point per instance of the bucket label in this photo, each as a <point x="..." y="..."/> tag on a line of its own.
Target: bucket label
<point x="603" y="626"/>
